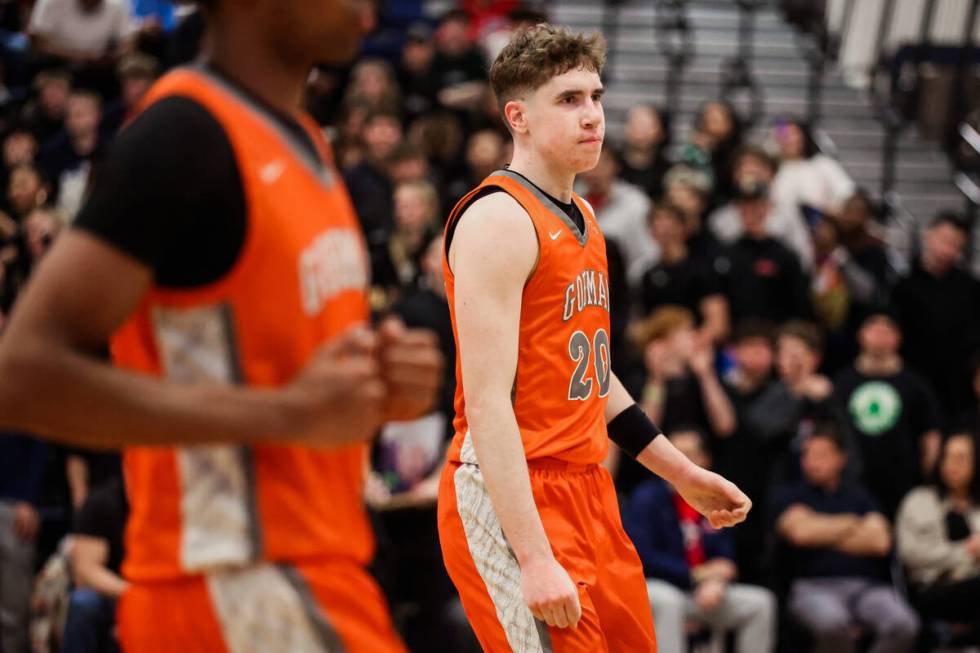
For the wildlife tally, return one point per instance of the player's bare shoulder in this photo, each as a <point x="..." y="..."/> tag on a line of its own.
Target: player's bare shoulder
<point x="497" y="230"/>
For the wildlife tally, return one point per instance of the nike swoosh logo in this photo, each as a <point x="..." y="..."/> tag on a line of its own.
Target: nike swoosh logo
<point x="270" y="172"/>
<point x="554" y="236"/>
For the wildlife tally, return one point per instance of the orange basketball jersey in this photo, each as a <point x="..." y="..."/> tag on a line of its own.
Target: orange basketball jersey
<point x="563" y="365"/>
<point x="300" y="280"/>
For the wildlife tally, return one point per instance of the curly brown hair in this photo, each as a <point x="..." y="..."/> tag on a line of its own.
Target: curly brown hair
<point x="536" y="54"/>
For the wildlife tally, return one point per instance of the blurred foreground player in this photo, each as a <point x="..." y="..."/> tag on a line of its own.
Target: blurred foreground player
<point x="220" y="255"/>
<point x="528" y="517"/>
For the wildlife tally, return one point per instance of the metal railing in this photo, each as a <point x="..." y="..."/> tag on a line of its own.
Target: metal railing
<point x="738" y="79"/>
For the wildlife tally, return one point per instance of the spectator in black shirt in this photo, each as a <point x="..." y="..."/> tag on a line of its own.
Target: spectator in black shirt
<point x="938" y="309"/>
<point x="409" y="557"/>
<point x="426" y="307"/>
<point x="682" y="386"/>
<point x="753" y="175"/>
<point x="19" y="147"/>
<point x="973" y="416"/>
<point x="484" y="155"/>
<point x="27" y="190"/>
<point x="86" y="469"/>
<point x="840" y="291"/>
<point x="688" y="190"/>
<point x="788" y="410"/>
<point x="136" y="73"/>
<point x="440" y="135"/>
<point x="368" y="182"/>
<point x="96" y="554"/>
<point x="743" y="456"/>
<point x="717" y="135"/>
<point x="891" y="412"/>
<point x="766" y="279"/>
<point x="21" y="485"/>
<point x="372" y="82"/>
<point x="415" y="72"/>
<point x="67" y="158"/>
<point x="837" y="546"/>
<point x="416" y="207"/>
<point x="865" y="250"/>
<point x="459" y="70"/>
<point x="643" y="156"/>
<point x="407" y="163"/>
<point x="679" y="279"/>
<point x="45" y="115"/>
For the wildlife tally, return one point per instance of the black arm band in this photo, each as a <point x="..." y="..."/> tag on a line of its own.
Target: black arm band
<point x="632" y="430"/>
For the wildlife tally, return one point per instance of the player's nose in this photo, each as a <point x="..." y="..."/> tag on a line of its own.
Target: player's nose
<point x="592" y="115"/>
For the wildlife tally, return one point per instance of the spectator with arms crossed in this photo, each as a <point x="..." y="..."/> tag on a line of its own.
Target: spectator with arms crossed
<point x="838" y="545"/>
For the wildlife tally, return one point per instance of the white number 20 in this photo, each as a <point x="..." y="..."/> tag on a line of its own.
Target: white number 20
<point x="581" y="351"/>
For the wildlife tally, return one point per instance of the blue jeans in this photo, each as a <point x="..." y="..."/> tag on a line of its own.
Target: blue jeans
<point x="90" y="624"/>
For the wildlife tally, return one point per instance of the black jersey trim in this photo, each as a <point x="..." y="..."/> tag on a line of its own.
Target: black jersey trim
<point x="581" y="235"/>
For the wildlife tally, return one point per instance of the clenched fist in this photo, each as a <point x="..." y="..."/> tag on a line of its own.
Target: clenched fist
<point x="339" y="397"/>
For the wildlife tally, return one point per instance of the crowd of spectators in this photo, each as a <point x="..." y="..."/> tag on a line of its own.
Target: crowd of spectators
<point x="759" y="314"/>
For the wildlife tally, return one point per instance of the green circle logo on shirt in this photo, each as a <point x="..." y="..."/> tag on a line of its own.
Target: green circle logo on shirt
<point x="875" y="406"/>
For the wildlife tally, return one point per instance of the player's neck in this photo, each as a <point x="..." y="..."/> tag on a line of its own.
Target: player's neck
<point x="557" y="183"/>
<point x="256" y="66"/>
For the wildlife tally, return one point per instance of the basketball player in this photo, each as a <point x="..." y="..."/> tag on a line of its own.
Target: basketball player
<point x="528" y="517"/>
<point x="221" y="256"/>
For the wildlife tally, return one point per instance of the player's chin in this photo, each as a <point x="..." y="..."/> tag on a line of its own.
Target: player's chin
<point x="340" y="51"/>
<point x="585" y="161"/>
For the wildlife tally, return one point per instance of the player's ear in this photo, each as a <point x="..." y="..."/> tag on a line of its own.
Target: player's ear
<point x="515" y="113"/>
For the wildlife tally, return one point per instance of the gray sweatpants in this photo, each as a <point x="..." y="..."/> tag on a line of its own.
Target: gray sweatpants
<point x="16" y="576"/>
<point x="830" y="607"/>
<point x="748" y="610"/>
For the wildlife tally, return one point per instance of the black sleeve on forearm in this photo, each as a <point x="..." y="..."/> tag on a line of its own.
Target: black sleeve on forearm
<point x="632" y="430"/>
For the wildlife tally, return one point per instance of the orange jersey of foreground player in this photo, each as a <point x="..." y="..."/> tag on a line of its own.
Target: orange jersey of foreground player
<point x="300" y="280"/>
<point x="563" y="364"/>
<point x="262" y="547"/>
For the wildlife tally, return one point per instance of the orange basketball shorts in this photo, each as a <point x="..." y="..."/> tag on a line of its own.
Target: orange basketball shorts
<point x="319" y="608"/>
<point x="580" y="512"/>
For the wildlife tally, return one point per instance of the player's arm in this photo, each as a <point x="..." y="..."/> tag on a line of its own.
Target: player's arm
<point x="493" y="252"/>
<point x="53" y="384"/>
<point x="716" y="498"/>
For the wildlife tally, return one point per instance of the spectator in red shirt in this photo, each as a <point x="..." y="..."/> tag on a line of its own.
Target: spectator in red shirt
<point x="690" y="566"/>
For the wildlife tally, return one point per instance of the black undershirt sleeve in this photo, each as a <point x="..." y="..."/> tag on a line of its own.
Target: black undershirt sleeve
<point x="571" y="210"/>
<point x="170" y="195"/>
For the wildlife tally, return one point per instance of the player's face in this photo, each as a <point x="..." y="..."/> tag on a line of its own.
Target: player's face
<point x="321" y="31"/>
<point x="565" y="120"/>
